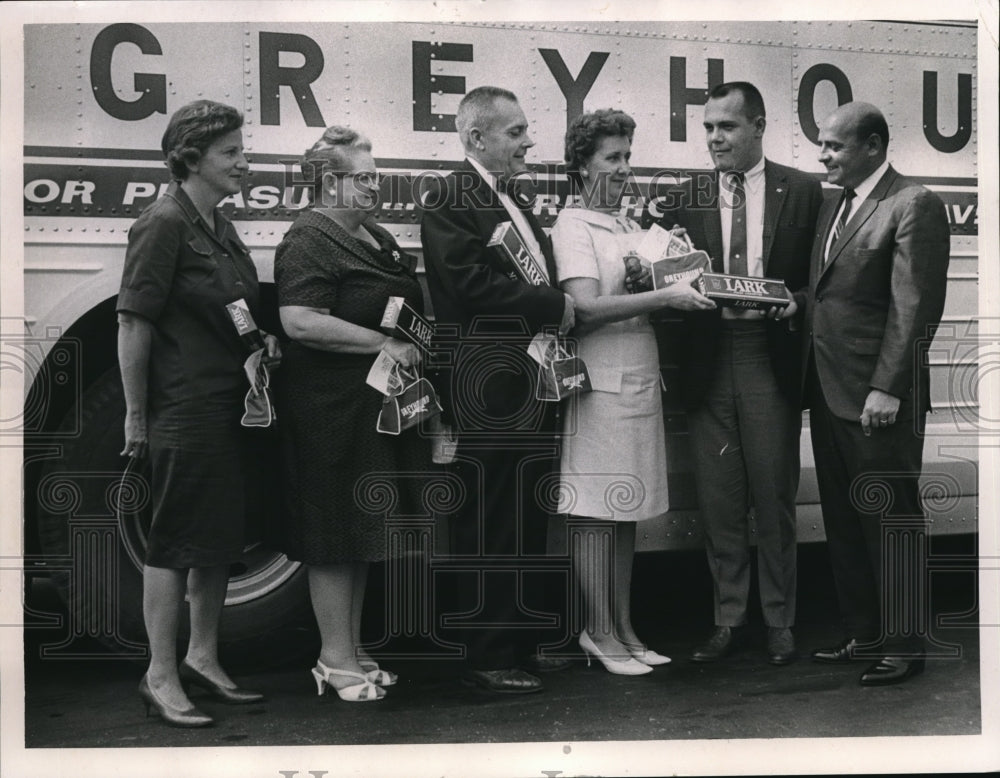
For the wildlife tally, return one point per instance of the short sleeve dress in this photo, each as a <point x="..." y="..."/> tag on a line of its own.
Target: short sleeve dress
<point x="342" y="479"/>
<point x="613" y="464"/>
<point x="179" y="274"/>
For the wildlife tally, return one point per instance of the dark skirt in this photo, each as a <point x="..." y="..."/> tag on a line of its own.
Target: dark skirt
<point x="208" y="485"/>
<point x="343" y="481"/>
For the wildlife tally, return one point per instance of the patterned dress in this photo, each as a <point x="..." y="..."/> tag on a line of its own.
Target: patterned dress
<point x="342" y="479"/>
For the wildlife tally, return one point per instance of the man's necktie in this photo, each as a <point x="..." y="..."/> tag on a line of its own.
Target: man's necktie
<point x="845" y="211"/>
<point x="738" y="226"/>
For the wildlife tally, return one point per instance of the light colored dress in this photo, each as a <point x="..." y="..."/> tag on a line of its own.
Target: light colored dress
<point x="614" y="462"/>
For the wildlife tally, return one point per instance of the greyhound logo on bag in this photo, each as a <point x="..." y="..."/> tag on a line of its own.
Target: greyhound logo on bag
<point x="572" y="382"/>
<point x="416" y="407"/>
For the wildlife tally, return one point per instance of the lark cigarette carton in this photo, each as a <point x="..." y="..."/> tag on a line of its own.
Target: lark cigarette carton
<point x="743" y="291"/>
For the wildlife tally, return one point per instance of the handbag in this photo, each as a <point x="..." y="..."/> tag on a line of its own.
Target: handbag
<point x="561" y="374"/>
<point x="258" y="409"/>
<point x="411" y="400"/>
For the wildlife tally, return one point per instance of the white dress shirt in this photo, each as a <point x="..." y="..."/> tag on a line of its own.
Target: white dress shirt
<point x="753" y="186"/>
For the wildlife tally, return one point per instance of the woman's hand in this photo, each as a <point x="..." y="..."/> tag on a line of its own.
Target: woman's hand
<point x="136" y="436"/>
<point x="272" y="353"/>
<point x="684" y="297"/>
<point x="405" y="353"/>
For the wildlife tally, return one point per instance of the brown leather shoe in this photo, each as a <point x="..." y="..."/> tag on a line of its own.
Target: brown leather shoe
<point x="780" y="646"/>
<point x="511" y="681"/>
<point x="724" y="641"/>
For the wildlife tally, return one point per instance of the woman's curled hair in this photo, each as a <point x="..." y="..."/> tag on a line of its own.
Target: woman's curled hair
<point x="330" y="152"/>
<point x="587" y="130"/>
<point x="192" y="129"/>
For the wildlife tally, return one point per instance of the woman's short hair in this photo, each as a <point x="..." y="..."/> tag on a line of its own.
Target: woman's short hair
<point x="192" y="129"/>
<point x="330" y="153"/>
<point x="586" y="131"/>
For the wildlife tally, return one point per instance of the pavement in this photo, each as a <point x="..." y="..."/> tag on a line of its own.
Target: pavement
<point x="93" y="703"/>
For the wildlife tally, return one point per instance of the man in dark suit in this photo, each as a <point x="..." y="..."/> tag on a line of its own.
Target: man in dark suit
<point x="876" y="293"/>
<point x="507" y="439"/>
<point x="739" y="370"/>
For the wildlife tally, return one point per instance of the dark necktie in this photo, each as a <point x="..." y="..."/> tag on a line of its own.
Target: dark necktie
<point x="846" y="199"/>
<point x="738" y="226"/>
<point x="519" y="188"/>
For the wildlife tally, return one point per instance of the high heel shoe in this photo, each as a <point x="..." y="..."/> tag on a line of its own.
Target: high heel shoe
<point x="647" y="656"/>
<point x="365" y="691"/>
<point x="175" y="717"/>
<point x="630" y="666"/>
<point x="231" y="695"/>
<point x="376" y="674"/>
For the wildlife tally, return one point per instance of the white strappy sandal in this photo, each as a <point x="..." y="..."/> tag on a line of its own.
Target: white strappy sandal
<point x="365" y="691"/>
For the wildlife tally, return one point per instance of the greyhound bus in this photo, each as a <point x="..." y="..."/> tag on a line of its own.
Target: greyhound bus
<point x="96" y="101"/>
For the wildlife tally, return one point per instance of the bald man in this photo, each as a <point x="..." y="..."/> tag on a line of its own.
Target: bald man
<point x="876" y="292"/>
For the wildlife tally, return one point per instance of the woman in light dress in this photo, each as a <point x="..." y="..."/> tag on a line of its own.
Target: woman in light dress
<point x="613" y="469"/>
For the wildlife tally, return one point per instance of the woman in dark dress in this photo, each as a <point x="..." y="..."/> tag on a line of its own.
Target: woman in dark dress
<point x="335" y="270"/>
<point x="182" y="371"/>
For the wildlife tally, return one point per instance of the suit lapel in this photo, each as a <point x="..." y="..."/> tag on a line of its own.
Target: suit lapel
<point x="775" y="191"/>
<point x="826" y="213"/>
<point x="486" y="194"/>
<point x="863" y="214"/>
<point x="712" y="222"/>
<point x="545" y="243"/>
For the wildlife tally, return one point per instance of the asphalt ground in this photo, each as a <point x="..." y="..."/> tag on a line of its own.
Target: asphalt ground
<point x="93" y="703"/>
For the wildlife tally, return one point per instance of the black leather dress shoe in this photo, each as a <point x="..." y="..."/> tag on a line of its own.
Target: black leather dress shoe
<point x="724" y="641"/>
<point x="546" y="664"/>
<point x="892" y="669"/>
<point x="511" y="681"/>
<point x="780" y="646"/>
<point x="837" y="655"/>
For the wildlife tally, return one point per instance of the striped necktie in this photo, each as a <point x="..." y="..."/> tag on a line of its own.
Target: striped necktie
<point x="845" y="211"/>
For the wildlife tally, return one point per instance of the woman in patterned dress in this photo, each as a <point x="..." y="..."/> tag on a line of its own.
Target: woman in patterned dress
<point x="335" y="270"/>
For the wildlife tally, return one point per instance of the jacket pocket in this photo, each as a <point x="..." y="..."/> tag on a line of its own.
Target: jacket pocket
<point x="603" y="379"/>
<point x="199" y="262"/>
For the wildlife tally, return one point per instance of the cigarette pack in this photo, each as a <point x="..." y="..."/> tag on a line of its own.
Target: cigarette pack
<point x="523" y="265"/>
<point x="400" y="321"/>
<point x="239" y="313"/>
<point x="743" y="291"/>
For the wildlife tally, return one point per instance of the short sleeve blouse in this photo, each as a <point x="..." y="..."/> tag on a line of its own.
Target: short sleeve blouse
<point x="180" y="274"/>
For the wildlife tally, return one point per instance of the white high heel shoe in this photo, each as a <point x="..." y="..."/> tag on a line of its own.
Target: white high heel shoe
<point x="365" y="691"/>
<point x="648" y="657"/>
<point x="377" y="675"/>
<point x="630" y="666"/>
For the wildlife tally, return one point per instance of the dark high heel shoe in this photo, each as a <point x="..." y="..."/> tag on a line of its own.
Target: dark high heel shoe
<point x="175" y="717"/>
<point x="231" y="695"/>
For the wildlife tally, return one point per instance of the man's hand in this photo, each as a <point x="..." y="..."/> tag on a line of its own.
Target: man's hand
<point x="783" y="312"/>
<point x="880" y="410"/>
